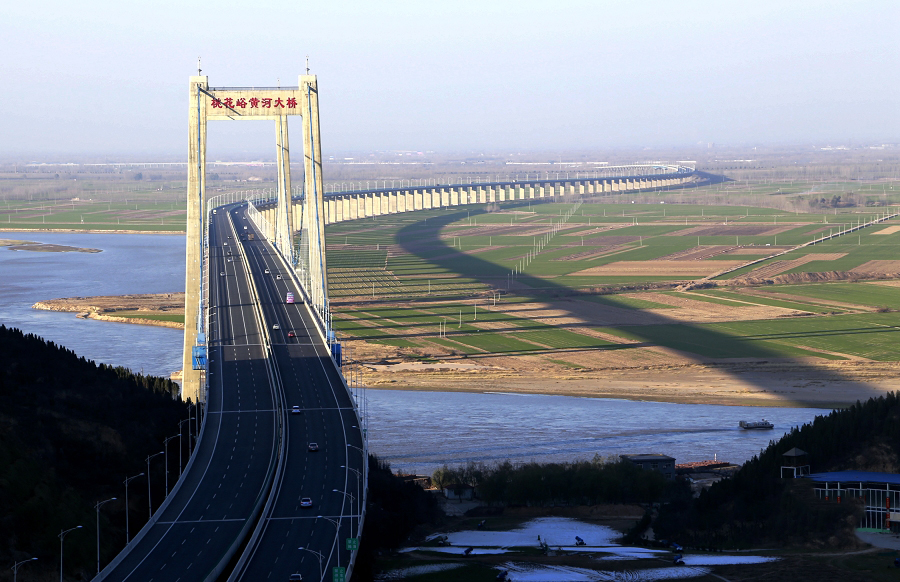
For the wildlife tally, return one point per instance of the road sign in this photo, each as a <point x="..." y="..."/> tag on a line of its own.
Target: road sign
<point x="339" y="574"/>
<point x="352" y="544"/>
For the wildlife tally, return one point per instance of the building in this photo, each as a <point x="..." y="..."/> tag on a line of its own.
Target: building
<point x="459" y="492"/>
<point x="796" y="464"/>
<point x="656" y="462"/>
<point x="880" y="493"/>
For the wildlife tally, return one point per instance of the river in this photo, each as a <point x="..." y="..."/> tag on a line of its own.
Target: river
<point x="415" y="431"/>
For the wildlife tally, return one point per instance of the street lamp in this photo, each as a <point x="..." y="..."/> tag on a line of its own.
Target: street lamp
<point x="180" y="447"/>
<point x="62" y="536"/>
<point x="149" y="502"/>
<point x="337" y="530"/>
<point x="97" y="507"/>
<point x="318" y="555"/>
<point x="18" y="565"/>
<point x="358" y="495"/>
<point x="352" y="499"/>
<point x="166" y="444"/>
<point x="127" y="481"/>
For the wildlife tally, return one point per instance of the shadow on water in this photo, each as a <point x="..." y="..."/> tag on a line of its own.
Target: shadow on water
<point x="423" y="240"/>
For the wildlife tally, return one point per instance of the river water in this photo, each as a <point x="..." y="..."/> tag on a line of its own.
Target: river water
<point x="414" y="431"/>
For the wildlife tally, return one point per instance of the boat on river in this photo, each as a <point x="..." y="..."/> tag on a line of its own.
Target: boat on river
<point x="756" y="424"/>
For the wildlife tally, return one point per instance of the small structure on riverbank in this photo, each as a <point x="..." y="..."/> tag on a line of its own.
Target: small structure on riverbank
<point x="655" y="462"/>
<point x="459" y="492"/>
<point x="796" y="464"/>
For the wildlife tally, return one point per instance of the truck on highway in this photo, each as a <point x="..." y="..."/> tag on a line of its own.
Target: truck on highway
<point x="290" y="297"/>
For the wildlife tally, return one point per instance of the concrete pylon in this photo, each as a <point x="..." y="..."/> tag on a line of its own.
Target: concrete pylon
<point x="313" y="216"/>
<point x="253" y="103"/>
<point x="284" y="231"/>
<point x="191" y="382"/>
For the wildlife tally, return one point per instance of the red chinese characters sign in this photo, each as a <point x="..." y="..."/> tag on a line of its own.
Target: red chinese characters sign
<point x="252" y="103"/>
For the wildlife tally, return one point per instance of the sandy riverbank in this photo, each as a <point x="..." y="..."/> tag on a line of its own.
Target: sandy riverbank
<point x="666" y="376"/>
<point x="122" y="308"/>
<point x="748" y="384"/>
<point x="39" y="247"/>
<point x="93" y="231"/>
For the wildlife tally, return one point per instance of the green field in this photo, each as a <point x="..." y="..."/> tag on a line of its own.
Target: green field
<point x="865" y="335"/>
<point x="141" y="214"/>
<point x="452" y="258"/>
<point x="869" y="294"/>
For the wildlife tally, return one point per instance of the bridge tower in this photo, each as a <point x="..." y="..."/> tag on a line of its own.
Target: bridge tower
<point x="253" y="103"/>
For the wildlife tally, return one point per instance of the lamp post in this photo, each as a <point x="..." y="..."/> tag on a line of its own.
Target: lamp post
<point x="18" y="565"/>
<point x="97" y="507"/>
<point x="196" y="413"/>
<point x="358" y="495"/>
<point x="166" y="450"/>
<point x="127" y="481"/>
<point x="62" y="537"/>
<point x="180" y="447"/>
<point x="352" y="498"/>
<point x="149" y="501"/>
<point x="337" y="529"/>
<point x="318" y="555"/>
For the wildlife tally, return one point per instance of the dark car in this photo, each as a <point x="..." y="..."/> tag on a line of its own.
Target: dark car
<point x="313" y="447"/>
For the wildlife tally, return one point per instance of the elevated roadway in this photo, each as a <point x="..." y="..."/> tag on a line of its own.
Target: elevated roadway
<point x="209" y="513"/>
<point x="331" y="476"/>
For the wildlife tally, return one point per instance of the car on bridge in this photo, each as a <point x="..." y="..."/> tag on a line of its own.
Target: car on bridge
<point x="313" y="447"/>
<point x="305" y="502"/>
<point x="267" y="271"/>
<point x="222" y="274"/>
<point x="291" y="334"/>
<point x="276" y="326"/>
<point x="296" y="410"/>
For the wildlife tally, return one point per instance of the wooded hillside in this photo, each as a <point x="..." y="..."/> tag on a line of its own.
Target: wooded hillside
<point x="71" y="431"/>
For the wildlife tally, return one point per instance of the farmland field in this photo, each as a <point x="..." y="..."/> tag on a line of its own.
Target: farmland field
<point x="610" y="288"/>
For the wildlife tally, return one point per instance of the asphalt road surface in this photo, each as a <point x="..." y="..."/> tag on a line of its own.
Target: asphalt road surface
<point x="327" y="418"/>
<point x="208" y="510"/>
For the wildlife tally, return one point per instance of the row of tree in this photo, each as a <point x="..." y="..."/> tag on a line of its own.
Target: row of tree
<point x="756" y="505"/>
<point x="599" y="480"/>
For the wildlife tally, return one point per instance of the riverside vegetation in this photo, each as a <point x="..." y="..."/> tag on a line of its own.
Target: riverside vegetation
<point x="753" y="508"/>
<point x="71" y="431"/>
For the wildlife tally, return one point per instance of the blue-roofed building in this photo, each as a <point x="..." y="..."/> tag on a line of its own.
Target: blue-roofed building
<point x="879" y="491"/>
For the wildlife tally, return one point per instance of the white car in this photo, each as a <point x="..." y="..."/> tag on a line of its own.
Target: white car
<point x="222" y="274"/>
<point x="276" y="326"/>
<point x="278" y="277"/>
<point x="267" y="271"/>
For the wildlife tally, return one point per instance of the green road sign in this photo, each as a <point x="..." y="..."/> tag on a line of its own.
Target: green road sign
<point x="338" y="574"/>
<point x="352" y="544"/>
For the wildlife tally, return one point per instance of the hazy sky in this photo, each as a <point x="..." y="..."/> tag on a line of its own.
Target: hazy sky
<point x="112" y="77"/>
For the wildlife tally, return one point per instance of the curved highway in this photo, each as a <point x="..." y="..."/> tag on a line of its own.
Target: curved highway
<point x="256" y="490"/>
<point x="328" y="472"/>
<point x="204" y="519"/>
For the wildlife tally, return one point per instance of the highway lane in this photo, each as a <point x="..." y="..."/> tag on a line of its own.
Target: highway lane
<point x="311" y="382"/>
<point x="208" y="512"/>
